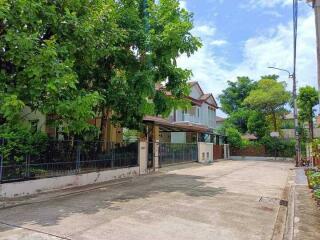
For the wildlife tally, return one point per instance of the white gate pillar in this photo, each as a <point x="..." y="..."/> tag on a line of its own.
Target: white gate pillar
<point x="226" y="151"/>
<point x="143" y="157"/>
<point x="156" y="146"/>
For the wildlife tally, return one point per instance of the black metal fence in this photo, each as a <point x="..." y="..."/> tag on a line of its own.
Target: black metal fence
<point x="60" y="158"/>
<point x="174" y="153"/>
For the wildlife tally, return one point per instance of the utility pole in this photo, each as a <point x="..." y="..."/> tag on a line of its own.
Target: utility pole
<point x="294" y="79"/>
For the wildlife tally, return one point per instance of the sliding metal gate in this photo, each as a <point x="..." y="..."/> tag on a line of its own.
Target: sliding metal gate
<point x="174" y="153"/>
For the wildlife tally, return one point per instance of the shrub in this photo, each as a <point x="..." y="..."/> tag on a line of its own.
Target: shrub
<point x="19" y="141"/>
<point x="314" y="179"/>
<point x="317" y="194"/>
<point x="279" y="147"/>
<point x="234" y="137"/>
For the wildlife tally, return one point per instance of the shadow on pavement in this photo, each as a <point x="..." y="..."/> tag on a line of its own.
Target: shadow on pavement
<point x="53" y="211"/>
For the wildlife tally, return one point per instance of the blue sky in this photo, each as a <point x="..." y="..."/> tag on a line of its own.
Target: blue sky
<point x="243" y="38"/>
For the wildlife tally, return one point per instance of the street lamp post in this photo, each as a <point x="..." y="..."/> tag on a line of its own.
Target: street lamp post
<point x="295" y="113"/>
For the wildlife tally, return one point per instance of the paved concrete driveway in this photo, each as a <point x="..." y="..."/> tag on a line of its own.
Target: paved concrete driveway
<point x="226" y="200"/>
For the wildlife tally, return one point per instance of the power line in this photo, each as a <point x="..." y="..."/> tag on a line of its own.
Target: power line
<point x="295" y="34"/>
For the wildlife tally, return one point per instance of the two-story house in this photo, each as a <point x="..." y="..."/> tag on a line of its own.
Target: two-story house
<point x="202" y="113"/>
<point x="195" y="124"/>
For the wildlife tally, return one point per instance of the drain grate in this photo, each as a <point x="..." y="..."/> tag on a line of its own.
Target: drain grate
<point x="283" y="203"/>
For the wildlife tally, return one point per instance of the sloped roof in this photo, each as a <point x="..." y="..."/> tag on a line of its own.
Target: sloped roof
<point x="220" y="119"/>
<point x="289" y="116"/>
<point x="203" y="98"/>
<point x="249" y="136"/>
<point x="192" y="84"/>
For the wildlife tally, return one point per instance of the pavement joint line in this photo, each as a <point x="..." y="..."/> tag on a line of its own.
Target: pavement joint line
<point x="230" y="172"/>
<point x="34" y="230"/>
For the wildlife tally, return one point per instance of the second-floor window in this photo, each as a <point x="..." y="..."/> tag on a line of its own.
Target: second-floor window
<point x="211" y="116"/>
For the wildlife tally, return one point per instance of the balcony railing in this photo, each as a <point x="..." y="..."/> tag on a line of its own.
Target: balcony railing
<point x="190" y="118"/>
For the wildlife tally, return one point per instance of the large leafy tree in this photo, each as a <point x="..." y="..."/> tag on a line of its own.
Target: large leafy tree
<point x="231" y="101"/>
<point x="80" y="58"/>
<point x="308" y="98"/>
<point x="270" y="98"/>
<point x="47" y="50"/>
<point x="232" y="97"/>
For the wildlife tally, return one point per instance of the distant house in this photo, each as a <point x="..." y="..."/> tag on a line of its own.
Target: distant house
<point x="287" y="121"/>
<point x="219" y="122"/>
<point x="249" y="137"/>
<point x="287" y="127"/>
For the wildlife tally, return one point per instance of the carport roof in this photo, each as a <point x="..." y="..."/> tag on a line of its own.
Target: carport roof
<point x="167" y="126"/>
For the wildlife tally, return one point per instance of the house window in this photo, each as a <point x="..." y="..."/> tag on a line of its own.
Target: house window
<point x="198" y="112"/>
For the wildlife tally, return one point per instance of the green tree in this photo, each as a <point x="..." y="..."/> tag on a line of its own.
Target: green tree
<point x="234" y="137"/>
<point x="80" y="58"/>
<point x="239" y="119"/>
<point x="257" y="124"/>
<point x="308" y="98"/>
<point x="233" y="96"/>
<point x="270" y="98"/>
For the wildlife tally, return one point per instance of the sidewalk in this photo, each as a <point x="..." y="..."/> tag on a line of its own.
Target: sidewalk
<point x="306" y="212"/>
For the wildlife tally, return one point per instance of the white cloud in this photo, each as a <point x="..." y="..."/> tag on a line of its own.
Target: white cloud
<point x="272" y="13"/>
<point x="274" y="48"/>
<point x="205" y="30"/>
<point x="183" y="4"/>
<point x="218" y="42"/>
<point x="207" y="68"/>
<point x="266" y="3"/>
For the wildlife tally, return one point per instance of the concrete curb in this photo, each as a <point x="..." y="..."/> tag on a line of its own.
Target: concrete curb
<point x="280" y="229"/>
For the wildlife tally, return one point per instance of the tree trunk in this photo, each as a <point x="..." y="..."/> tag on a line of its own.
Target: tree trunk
<point x="311" y="128"/>
<point x="274" y="118"/>
<point x="104" y="124"/>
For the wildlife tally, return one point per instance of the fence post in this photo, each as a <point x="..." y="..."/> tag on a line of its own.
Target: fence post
<point x="1" y="159"/>
<point x="27" y="166"/>
<point x="113" y="154"/>
<point x="78" y="156"/>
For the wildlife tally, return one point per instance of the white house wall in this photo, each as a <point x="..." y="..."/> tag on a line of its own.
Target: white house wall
<point x="195" y="92"/>
<point x="179" y="117"/>
<point x="28" y="115"/>
<point x="204" y="114"/>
